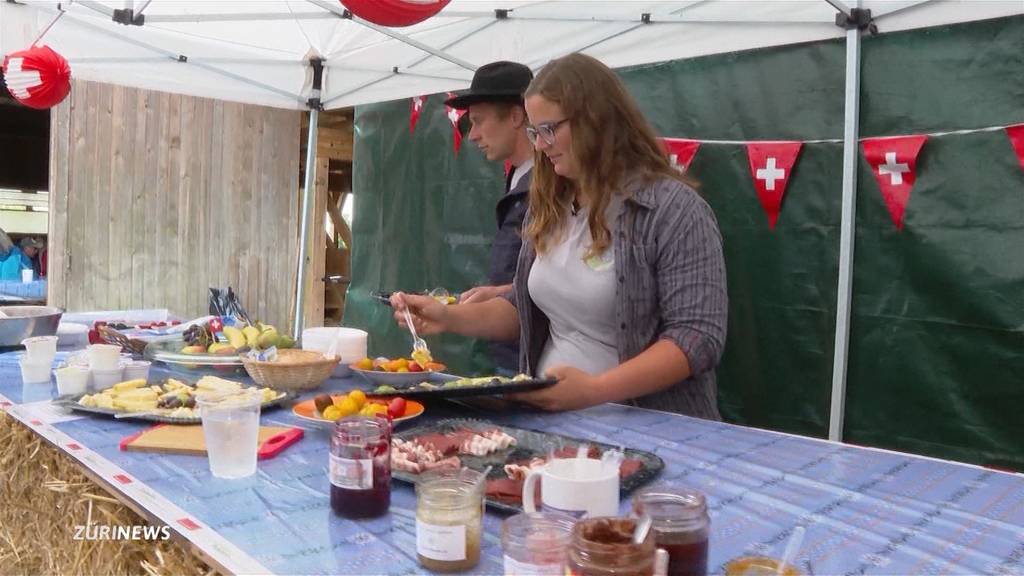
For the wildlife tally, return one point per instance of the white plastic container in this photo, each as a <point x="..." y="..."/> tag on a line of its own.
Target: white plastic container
<point x="137" y="370"/>
<point x="26" y="275"/>
<point x="34" y="371"/>
<point x="72" y="380"/>
<point x="71" y="335"/>
<point x="104" y="357"/>
<point x="40" y="348"/>
<point x="351" y="345"/>
<point x="103" y="379"/>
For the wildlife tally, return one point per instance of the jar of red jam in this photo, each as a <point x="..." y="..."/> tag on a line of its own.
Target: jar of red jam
<point x="680" y="525"/>
<point x="360" y="467"/>
<point x="604" y="546"/>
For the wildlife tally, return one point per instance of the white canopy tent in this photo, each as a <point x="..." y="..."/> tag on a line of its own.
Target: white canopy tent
<point x="266" y="52"/>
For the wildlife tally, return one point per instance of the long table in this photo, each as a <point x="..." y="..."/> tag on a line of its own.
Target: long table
<point x="866" y="511"/>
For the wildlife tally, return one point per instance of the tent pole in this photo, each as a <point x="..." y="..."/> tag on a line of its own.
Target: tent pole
<point x="307" y="191"/>
<point x="847" y="229"/>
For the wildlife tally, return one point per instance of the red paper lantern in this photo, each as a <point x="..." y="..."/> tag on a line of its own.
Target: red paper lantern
<point x="38" y="77"/>
<point x="394" y="12"/>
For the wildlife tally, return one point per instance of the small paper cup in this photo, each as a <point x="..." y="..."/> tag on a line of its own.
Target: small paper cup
<point x="35" y="372"/>
<point x="72" y="380"/>
<point x="40" y="348"/>
<point x="137" y="370"/>
<point x="103" y="379"/>
<point x="104" y="357"/>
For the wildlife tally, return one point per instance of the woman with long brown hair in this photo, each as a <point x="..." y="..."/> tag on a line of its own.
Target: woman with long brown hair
<point x="620" y="287"/>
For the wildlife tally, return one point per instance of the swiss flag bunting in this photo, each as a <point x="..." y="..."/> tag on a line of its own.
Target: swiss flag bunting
<point x="414" y="112"/>
<point x="680" y="151"/>
<point x="771" y="165"/>
<point x="1016" y="134"/>
<point x="893" y="161"/>
<point x="454" y="115"/>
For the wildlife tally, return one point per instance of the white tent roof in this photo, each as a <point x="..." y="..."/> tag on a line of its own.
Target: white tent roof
<point x="257" y="51"/>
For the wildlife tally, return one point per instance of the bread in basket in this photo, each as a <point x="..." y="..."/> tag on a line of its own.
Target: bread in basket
<point x="292" y="370"/>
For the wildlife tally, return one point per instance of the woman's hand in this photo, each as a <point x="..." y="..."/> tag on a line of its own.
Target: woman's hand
<point x="428" y="315"/>
<point x="575" y="389"/>
<point x="483" y="293"/>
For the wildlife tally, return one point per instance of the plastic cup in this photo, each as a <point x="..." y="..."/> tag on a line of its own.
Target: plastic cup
<point x="72" y="380"/>
<point x="104" y="356"/>
<point x="231" y="428"/>
<point x="103" y="379"/>
<point x="40" y="348"/>
<point x="26" y="275"/>
<point x="34" y="371"/>
<point x="137" y="370"/>
<point x="759" y="566"/>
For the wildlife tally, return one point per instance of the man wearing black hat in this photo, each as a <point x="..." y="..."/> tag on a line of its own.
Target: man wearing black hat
<point x="498" y="121"/>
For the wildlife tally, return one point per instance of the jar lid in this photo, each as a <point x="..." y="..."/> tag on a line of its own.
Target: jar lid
<point x="361" y="429"/>
<point x="668" y="505"/>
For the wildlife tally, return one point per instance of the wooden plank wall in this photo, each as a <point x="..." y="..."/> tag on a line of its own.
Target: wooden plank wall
<point x="155" y="197"/>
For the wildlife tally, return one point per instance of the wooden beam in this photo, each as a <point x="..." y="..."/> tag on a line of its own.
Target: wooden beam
<point x="316" y="255"/>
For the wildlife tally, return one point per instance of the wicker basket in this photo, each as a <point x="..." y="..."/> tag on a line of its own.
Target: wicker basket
<point x="293" y="370"/>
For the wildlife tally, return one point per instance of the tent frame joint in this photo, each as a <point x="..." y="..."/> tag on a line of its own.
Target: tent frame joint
<point x="858" y="18"/>
<point x="501" y="13"/>
<point x="128" y="17"/>
<point x="314" y="101"/>
<point x="645" y="18"/>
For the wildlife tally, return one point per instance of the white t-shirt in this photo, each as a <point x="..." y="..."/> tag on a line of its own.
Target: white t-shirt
<point x="519" y="171"/>
<point x="578" y="297"/>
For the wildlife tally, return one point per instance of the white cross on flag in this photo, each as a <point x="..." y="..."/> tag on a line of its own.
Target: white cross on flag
<point x="454" y="115"/>
<point x="893" y="161"/>
<point x="415" y="110"/>
<point x="680" y="151"/>
<point x="37" y="77"/>
<point x="771" y="164"/>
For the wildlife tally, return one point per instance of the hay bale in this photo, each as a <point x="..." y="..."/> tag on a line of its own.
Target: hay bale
<point x="45" y="494"/>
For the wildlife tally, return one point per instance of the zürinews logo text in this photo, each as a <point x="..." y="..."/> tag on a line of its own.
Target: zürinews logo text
<point x="94" y="531"/>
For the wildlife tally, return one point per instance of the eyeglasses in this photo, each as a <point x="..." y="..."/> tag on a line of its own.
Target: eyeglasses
<point x="546" y="131"/>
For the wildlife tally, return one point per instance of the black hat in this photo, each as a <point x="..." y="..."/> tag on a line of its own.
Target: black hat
<point x="494" y="81"/>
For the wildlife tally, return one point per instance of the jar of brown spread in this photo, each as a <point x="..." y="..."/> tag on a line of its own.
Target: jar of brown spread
<point x="604" y="547"/>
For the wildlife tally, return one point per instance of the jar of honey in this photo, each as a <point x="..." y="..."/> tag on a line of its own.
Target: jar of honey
<point x="449" y="519"/>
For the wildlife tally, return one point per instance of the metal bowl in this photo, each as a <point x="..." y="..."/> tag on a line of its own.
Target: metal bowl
<point x="20" y="322"/>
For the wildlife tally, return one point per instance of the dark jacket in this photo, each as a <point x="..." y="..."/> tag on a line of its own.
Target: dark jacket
<point x="510" y="211"/>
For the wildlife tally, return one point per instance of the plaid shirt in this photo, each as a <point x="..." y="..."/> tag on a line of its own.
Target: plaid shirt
<point x="671" y="278"/>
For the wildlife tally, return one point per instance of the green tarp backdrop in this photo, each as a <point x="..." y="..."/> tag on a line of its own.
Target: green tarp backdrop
<point x="937" y="328"/>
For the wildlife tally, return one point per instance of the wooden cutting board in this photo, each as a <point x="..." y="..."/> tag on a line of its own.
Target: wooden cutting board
<point x="178" y="439"/>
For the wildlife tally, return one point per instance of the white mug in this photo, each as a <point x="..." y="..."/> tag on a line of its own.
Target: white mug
<point x="575" y="486"/>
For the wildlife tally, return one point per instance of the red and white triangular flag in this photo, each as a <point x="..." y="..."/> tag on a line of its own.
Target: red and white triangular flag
<point x="771" y="165"/>
<point x="680" y="151"/>
<point x="894" y="163"/>
<point x="1016" y="134"/>
<point x="415" y="110"/>
<point x="454" y="115"/>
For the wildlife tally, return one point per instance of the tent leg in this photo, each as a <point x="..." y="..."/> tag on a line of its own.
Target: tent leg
<point x="304" y="237"/>
<point x="846" y="238"/>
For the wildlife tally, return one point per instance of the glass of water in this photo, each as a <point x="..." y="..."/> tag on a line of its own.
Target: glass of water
<point x="231" y="426"/>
